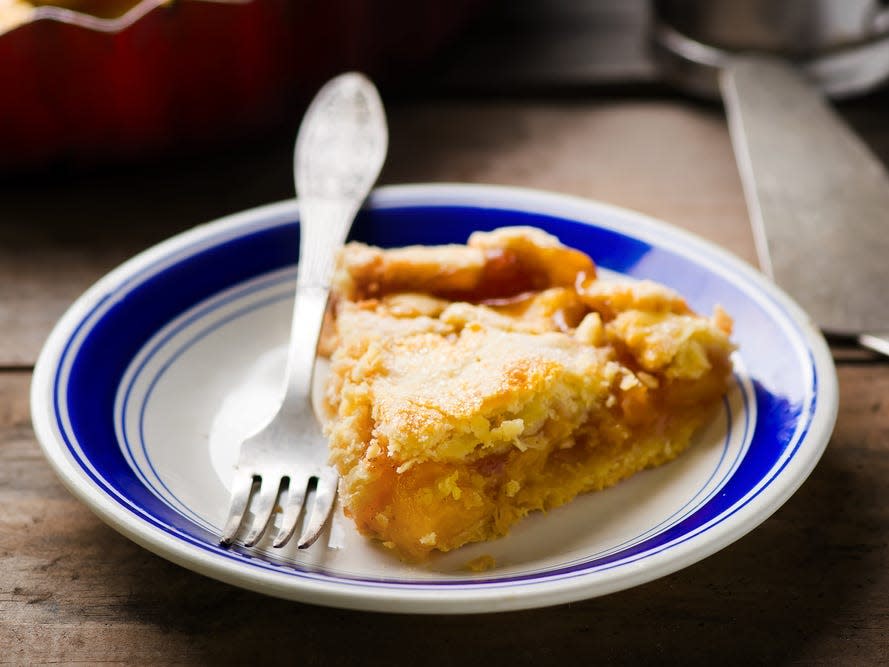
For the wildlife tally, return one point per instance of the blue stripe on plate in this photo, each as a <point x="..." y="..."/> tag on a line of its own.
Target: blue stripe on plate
<point x="100" y="349"/>
<point x="261" y="289"/>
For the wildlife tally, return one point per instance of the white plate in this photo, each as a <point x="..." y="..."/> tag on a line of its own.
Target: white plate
<point x="146" y="384"/>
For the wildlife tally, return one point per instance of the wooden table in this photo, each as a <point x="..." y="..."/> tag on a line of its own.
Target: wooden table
<point x="810" y="585"/>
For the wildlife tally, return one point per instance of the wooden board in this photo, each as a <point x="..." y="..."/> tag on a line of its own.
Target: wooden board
<point x="809" y="585"/>
<point x="663" y="159"/>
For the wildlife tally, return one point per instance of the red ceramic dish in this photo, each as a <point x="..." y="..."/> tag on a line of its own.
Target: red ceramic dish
<point x="193" y="73"/>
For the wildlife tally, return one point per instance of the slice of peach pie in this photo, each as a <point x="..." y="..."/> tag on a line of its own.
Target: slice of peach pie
<point x="471" y="385"/>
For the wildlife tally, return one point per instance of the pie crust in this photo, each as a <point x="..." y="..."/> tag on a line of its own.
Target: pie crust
<point x="473" y="384"/>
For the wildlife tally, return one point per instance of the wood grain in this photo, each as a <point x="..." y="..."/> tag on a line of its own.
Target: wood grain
<point x="811" y="584"/>
<point x="669" y="160"/>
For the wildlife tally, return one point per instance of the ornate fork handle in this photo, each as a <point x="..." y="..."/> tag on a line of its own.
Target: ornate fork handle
<point x="339" y="153"/>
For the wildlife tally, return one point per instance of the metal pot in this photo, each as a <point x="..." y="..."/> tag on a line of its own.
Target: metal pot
<point x="842" y="46"/>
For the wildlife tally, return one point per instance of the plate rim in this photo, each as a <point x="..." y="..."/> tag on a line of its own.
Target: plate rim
<point x="473" y="600"/>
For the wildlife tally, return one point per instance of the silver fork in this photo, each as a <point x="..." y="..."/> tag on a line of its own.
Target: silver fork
<point x="340" y="149"/>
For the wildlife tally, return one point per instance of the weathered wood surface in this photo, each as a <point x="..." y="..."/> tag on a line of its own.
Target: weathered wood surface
<point x="811" y="585"/>
<point x="668" y="160"/>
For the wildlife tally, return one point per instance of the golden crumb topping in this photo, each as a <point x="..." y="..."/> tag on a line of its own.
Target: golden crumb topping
<point x="473" y="384"/>
<point x="458" y="389"/>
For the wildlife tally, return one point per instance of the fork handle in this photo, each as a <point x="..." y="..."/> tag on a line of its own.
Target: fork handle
<point x="324" y="227"/>
<point x="340" y="149"/>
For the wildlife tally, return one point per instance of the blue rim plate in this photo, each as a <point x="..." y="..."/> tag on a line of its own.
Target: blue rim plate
<point x="146" y="384"/>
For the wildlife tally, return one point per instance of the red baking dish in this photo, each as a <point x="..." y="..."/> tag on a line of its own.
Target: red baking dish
<point x="77" y="88"/>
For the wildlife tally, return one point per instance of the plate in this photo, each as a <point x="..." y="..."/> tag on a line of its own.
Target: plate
<point x="146" y="384"/>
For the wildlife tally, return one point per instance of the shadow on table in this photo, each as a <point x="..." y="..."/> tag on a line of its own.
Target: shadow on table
<point x="766" y="598"/>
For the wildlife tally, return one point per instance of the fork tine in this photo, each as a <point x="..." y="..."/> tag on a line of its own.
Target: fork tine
<point x="241" y="488"/>
<point x="325" y="494"/>
<point x="262" y="508"/>
<point x="296" y="495"/>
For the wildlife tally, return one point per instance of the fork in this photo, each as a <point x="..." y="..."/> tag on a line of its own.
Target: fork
<point x="340" y="148"/>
